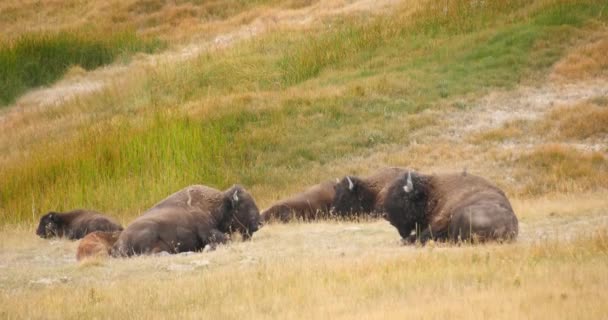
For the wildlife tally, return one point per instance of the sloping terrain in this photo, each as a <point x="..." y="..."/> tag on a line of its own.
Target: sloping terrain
<point x="279" y="95"/>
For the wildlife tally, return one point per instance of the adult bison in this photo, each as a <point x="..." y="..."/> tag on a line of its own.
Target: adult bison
<point x="449" y="207"/>
<point x="311" y="204"/>
<point x="75" y="224"/>
<point x="190" y="219"/>
<point x="95" y="244"/>
<point x="360" y="196"/>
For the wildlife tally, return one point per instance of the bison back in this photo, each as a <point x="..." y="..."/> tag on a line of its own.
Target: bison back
<point x="88" y="223"/>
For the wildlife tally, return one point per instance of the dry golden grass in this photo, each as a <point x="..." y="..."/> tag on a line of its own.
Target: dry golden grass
<point x="370" y="104"/>
<point x="326" y="270"/>
<point x="586" y="61"/>
<point x="177" y="20"/>
<point x="508" y="131"/>
<point x="580" y="121"/>
<point x="560" y="168"/>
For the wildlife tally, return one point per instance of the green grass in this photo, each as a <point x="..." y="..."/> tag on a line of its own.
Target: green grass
<point x="38" y="59"/>
<point x="267" y="111"/>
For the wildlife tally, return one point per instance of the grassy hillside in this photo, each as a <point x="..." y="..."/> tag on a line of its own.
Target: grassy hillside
<point x="293" y="93"/>
<point x="269" y="111"/>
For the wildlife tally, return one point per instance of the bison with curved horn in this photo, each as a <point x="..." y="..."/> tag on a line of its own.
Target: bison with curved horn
<point x="360" y="196"/>
<point x="312" y="204"/>
<point x="75" y="224"/>
<point x="190" y="219"/>
<point x="452" y="207"/>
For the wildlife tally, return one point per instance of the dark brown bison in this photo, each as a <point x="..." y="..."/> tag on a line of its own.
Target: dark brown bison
<point x="311" y="204"/>
<point x="449" y="207"/>
<point x="95" y="244"/>
<point x="361" y="196"/>
<point x="190" y="219"/>
<point x="75" y="224"/>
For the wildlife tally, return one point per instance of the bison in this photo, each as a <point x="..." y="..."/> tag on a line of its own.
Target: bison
<point x="75" y="224"/>
<point x="190" y="219"/>
<point x="452" y="207"/>
<point x="355" y="195"/>
<point x="311" y="204"/>
<point x="98" y="243"/>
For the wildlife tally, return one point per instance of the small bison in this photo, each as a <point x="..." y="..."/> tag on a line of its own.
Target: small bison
<point x="190" y="219"/>
<point x="311" y="204"/>
<point x="75" y="224"/>
<point x="95" y="244"/>
<point x="360" y="196"/>
<point x="451" y="207"/>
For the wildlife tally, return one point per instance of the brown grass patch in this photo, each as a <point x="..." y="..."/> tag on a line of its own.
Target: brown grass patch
<point x="587" y="61"/>
<point x="559" y="168"/>
<point x="579" y="121"/>
<point x="508" y="131"/>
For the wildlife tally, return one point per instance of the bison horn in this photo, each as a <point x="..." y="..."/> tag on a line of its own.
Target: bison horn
<point x="409" y="186"/>
<point x="235" y="196"/>
<point x="351" y="185"/>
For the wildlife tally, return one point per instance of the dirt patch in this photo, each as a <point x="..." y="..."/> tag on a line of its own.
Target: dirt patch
<point x="524" y="103"/>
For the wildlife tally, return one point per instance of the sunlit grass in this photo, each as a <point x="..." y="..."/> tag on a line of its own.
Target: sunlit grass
<point x="340" y="270"/>
<point x="266" y="111"/>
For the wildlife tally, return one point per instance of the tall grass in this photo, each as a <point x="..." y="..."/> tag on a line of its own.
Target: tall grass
<point x="37" y="59"/>
<point x="267" y="112"/>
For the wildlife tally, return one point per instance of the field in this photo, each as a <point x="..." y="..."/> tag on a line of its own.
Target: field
<point x="280" y="95"/>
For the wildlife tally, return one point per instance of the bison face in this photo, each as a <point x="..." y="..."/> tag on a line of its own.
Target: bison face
<point x="243" y="214"/>
<point x="352" y="196"/>
<point x="50" y="226"/>
<point x="406" y="202"/>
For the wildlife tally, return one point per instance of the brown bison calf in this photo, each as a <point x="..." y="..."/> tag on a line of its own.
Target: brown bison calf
<point x="311" y="204"/>
<point x="75" y="224"/>
<point x="190" y="219"/>
<point x="360" y="196"/>
<point x="449" y="207"/>
<point x="94" y="244"/>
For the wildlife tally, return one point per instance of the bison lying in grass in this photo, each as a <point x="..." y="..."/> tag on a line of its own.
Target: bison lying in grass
<point x="364" y="196"/>
<point x="75" y="224"/>
<point x="450" y="207"/>
<point x="311" y="204"/>
<point x="96" y="244"/>
<point x="190" y="219"/>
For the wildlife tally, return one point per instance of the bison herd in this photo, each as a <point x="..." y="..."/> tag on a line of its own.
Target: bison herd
<point x="443" y="207"/>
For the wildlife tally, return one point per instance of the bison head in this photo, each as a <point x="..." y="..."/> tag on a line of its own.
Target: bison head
<point x="406" y="203"/>
<point x="352" y="196"/>
<point x="240" y="214"/>
<point x="51" y="225"/>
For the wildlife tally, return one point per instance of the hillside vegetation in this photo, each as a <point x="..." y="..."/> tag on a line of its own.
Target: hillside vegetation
<point x="280" y="95"/>
<point x="268" y="111"/>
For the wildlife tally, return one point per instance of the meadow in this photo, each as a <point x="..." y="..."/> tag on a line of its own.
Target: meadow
<point x="514" y="91"/>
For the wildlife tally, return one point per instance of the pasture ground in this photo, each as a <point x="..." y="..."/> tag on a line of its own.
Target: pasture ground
<point x="280" y="95"/>
<point x="556" y="269"/>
